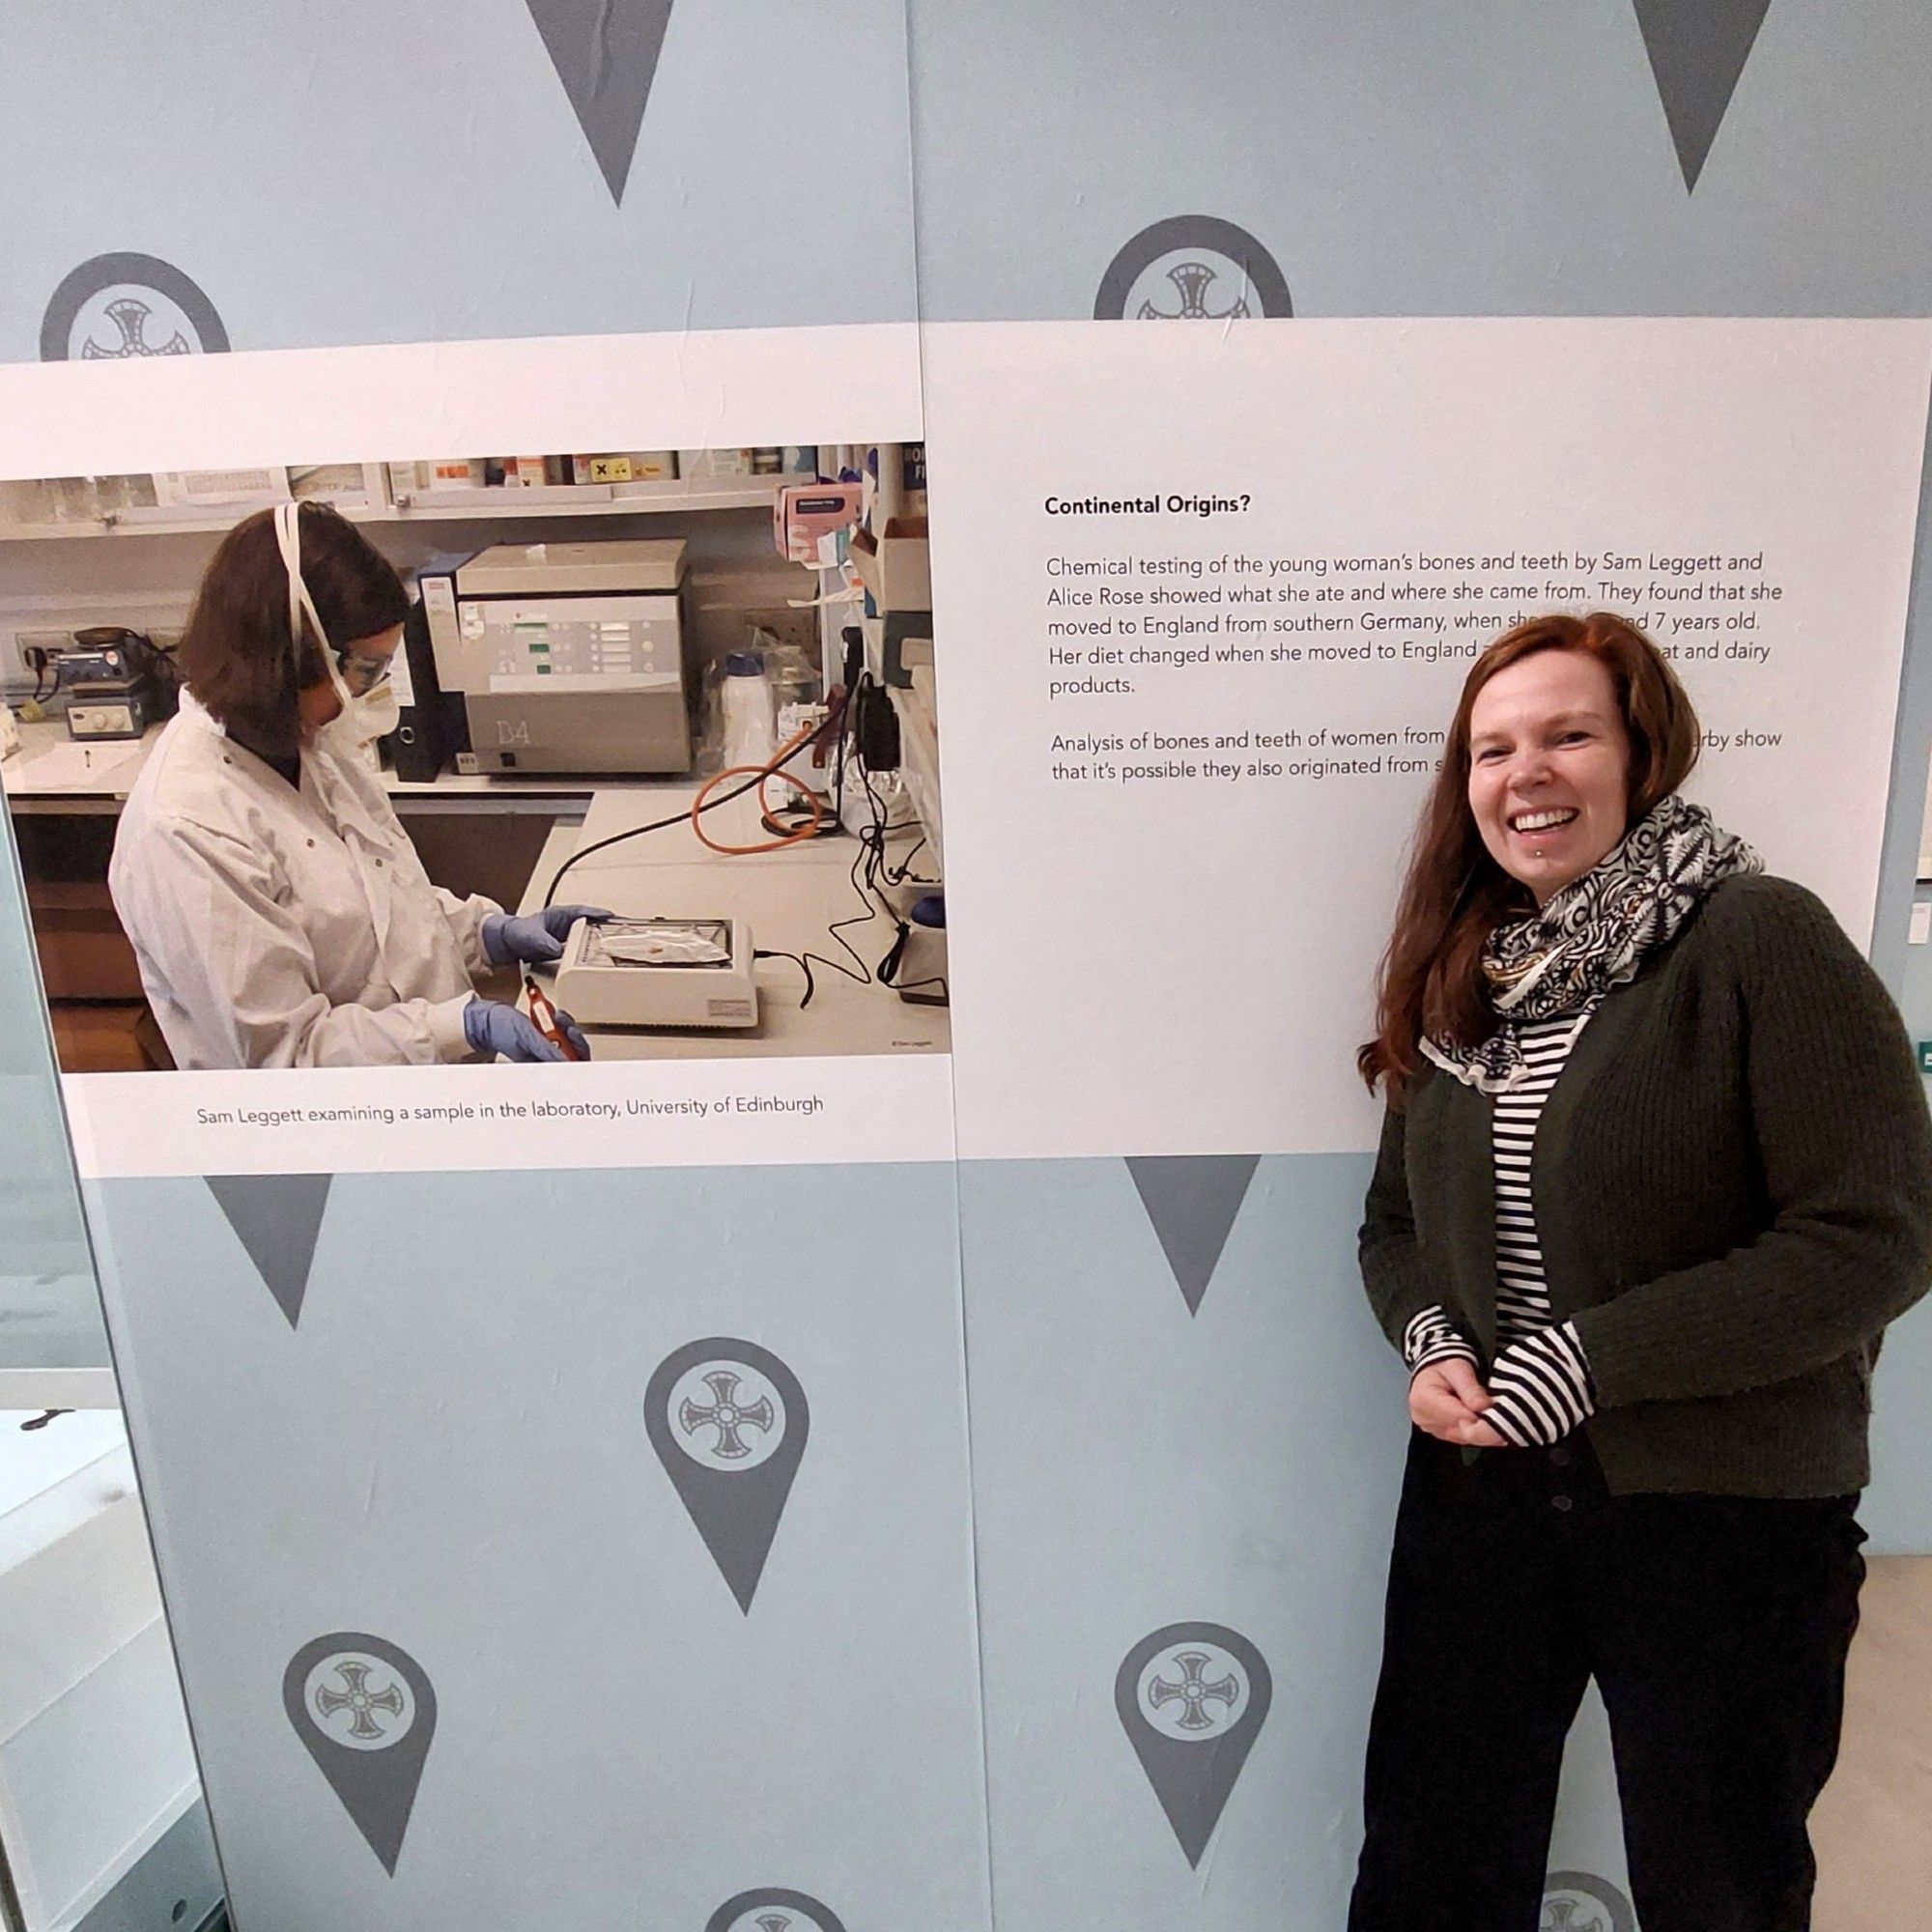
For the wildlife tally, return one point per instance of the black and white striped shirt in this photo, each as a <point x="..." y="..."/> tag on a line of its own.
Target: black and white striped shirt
<point x="1522" y="1292"/>
<point x="1540" y="1381"/>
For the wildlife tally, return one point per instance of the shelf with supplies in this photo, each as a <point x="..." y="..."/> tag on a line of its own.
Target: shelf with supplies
<point x="671" y="498"/>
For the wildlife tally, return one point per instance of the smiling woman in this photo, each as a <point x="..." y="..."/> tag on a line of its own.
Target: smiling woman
<point x="1549" y="767"/>
<point x="1655" y="1174"/>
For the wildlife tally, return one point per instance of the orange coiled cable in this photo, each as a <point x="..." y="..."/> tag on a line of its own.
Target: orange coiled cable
<point x="764" y="773"/>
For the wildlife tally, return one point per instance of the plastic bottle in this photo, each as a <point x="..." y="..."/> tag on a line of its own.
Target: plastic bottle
<point x="746" y="696"/>
<point x="744" y="700"/>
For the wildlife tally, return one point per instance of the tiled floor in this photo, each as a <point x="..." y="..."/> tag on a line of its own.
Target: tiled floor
<point x="1873" y="1826"/>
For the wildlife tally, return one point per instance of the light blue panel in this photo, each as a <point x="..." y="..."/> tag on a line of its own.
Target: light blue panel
<point x="450" y="1454"/>
<point x="372" y="172"/>
<point x="49" y="1314"/>
<point x="1588" y="1836"/>
<point x="1135" y="1467"/>
<point x="1897" y="1507"/>
<point x="1422" y="157"/>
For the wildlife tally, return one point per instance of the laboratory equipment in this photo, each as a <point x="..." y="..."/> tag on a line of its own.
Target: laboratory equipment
<point x="117" y="684"/>
<point x="915" y="967"/>
<point x="569" y="657"/>
<point x="659" y="973"/>
<point x="434" y="727"/>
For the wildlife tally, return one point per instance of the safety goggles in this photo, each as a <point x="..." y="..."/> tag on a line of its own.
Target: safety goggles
<point x="360" y="674"/>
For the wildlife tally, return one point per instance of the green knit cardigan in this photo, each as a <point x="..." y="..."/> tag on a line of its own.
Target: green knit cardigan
<point x="1733" y="1188"/>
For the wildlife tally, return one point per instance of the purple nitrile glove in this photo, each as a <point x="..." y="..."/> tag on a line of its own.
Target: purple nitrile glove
<point x="506" y="1031"/>
<point x="533" y="939"/>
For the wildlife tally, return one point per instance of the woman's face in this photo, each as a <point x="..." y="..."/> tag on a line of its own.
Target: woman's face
<point x="368" y="660"/>
<point x="1549" y="768"/>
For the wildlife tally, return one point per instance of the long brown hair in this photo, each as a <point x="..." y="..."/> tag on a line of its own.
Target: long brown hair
<point x="1454" y="894"/>
<point x="236" y="651"/>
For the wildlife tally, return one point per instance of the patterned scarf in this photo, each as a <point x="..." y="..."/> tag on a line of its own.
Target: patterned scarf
<point x="1595" y="933"/>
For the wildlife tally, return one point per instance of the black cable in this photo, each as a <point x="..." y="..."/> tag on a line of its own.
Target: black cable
<point x="677" y="818"/>
<point x="798" y="959"/>
<point x="805" y="961"/>
<point x="870" y="865"/>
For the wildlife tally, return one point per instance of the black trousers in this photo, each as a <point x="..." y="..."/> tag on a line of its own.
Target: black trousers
<point x="1715" y="1627"/>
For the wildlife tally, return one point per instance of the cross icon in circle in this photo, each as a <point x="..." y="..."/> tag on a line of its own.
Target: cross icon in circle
<point x="1196" y="1692"/>
<point x="359" y="1700"/>
<point x="773" y="1921"/>
<point x="1191" y="281"/>
<point x="131" y="316"/>
<point x="726" y="1414"/>
<point x="1559" y="1915"/>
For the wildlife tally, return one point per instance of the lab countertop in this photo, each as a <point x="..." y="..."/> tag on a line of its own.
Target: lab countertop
<point x="788" y="899"/>
<point x="51" y="773"/>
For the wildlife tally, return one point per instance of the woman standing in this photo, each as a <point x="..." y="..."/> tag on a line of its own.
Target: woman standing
<point x="1655" y="1174"/>
<point x="279" y="913"/>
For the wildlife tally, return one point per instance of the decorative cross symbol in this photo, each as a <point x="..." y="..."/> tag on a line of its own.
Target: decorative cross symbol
<point x="359" y="1699"/>
<point x="1195" y="1691"/>
<point x="773" y="1921"/>
<point x="726" y="1414"/>
<point x="1558" y="1916"/>
<point x="132" y="316"/>
<point x="1191" y="280"/>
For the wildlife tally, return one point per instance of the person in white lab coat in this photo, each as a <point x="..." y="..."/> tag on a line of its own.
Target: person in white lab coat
<point x="279" y="913"/>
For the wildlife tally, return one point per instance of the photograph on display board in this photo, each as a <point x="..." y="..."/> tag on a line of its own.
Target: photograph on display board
<point x="621" y="754"/>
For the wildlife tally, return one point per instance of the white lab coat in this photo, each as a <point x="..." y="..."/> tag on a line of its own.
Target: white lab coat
<point x="284" y="927"/>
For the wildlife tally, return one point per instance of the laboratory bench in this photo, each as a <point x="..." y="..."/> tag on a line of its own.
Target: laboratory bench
<point x="789" y="899"/>
<point x="504" y="835"/>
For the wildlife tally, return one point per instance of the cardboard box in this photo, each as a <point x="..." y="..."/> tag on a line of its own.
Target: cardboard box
<point x="349" y="486"/>
<point x="895" y="567"/>
<point x="713" y="465"/>
<point x="801" y="513"/>
<point x="220" y="489"/>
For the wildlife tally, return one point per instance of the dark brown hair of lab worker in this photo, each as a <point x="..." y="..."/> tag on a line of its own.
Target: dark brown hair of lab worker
<point x="1454" y="894"/>
<point x="235" y="654"/>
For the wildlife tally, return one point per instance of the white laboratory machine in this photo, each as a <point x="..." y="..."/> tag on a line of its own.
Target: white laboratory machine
<point x="570" y="657"/>
<point x="659" y="973"/>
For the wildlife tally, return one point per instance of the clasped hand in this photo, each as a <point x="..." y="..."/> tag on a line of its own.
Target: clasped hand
<point x="1447" y="1399"/>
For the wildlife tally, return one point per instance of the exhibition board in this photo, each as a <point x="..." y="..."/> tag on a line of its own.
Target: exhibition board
<point x="1051" y="1352"/>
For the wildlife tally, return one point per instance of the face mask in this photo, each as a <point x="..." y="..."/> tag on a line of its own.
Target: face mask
<point x="374" y="715"/>
<point x="364" y="717"/>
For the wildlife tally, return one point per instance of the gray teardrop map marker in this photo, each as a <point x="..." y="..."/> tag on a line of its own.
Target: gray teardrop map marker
<point x="606" y="53"/>
<point x="728" y="1421"/>
<point x="774" y="1909"/>
<point x="1583" y="1902"/>
<point x="1192" y="1199"/>
<point x="1697" y="51"/>
<point x="366" y="1713"/>
<point x="1192" y="1699"/>
<point x="276" y="1217"/>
